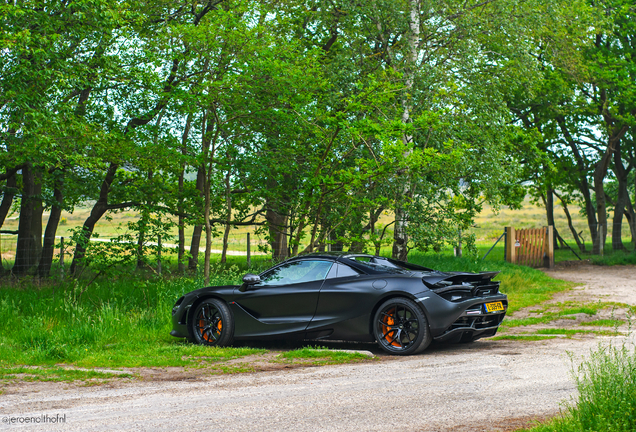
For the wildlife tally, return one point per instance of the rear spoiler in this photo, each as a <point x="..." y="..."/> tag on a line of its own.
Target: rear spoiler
<point x="458" y="278"/>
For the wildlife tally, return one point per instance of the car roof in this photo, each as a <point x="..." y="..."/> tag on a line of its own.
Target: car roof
<point x="385" y="265"/>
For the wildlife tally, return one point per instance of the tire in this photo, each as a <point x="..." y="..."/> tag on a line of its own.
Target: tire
<point x="212" y="324"/>
<point x="400" y="327"/>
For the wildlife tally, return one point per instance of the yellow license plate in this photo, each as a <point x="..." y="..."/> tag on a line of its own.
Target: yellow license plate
<point x="494" y="307"/>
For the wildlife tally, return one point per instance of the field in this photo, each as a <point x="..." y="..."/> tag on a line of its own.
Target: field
<point x="488" y="227"/>
<point x="116" y="327"/>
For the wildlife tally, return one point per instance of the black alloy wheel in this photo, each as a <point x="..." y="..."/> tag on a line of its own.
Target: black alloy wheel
<point x="401" y="328"/>
<point x="212" y="323"/>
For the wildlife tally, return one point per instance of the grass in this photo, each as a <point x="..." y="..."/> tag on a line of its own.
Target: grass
<point x="522" y="338"/>
<point x="560" y="331"/>
<point x="112" y="323"/>
<point x="55" y="374"/>
<point x="124" y="321"/>
<point x="121" y="322"/>
<point x="565" y="310"/>
<point x="615" y="258"/>
<point x="604" y="323"/>
<point x="320" y="356"/>
<point x="606" y="382"/>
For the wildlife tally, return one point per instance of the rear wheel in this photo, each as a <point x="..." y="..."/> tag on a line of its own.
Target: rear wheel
<point x="212" y="323"/>
<point x="401" y="328"/>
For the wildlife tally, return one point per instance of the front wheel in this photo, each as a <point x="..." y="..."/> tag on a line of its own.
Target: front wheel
<point x="212" y="324"/>
<point x="401" y="328"/>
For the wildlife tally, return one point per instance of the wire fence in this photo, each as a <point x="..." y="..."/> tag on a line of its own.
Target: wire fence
<point x="153" y="251"/>
<point x="248" y="242"/>
<point x="565" y="244"/>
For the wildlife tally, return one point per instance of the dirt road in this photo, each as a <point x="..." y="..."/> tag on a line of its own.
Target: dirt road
<point x="484" y="386"/>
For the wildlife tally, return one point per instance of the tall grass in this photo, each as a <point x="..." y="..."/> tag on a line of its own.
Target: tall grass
<point x="111" y="322"/>
<point x="125" y="320"/>
<point x="615" y="258"/>
<point x="607" y="394"/>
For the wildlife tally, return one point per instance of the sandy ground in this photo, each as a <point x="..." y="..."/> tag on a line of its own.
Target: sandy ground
<point x="605" y="283"/>
<point x="484" y="386"/>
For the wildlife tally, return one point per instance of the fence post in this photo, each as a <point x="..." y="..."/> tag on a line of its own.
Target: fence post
<point x="511" y="250"/>
<point x="505" y="243"/>
<point x="62" y="258"/>
<point x="549" y="247"/>
<point x="159" y="254"/>
<point x="249" y="258"/>
<point x="459" y="244"/>
<point x="601" y="239"/>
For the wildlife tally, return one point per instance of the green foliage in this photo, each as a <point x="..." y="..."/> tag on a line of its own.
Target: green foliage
<point x="310" y="122"/>
<point x="606" y="382"/>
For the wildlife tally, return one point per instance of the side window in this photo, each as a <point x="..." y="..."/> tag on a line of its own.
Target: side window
<point x="296" y="272"/>
<point x="340" y="270"/>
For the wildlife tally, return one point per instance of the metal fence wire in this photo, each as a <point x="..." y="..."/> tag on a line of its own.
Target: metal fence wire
<point x="488" y="239"/>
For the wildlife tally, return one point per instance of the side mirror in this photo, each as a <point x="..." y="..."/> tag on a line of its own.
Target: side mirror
<point x="251" y="279"/>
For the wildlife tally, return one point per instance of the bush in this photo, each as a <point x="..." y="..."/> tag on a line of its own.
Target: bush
<point x="607" y="400"/>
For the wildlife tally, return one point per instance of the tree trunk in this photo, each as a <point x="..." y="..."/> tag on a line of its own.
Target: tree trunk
<point x="180" y="205"/>
<point x="228" y="219"/>
<point x="622" y="200"/>
<point x="617" y="221"/>
<point x="181" y="251"/>
<point x="208" y="232"/>
<point x="195" y="245"/>
<point x="100" y="207"/>
<point x="46" y="259"/>
<point x="29" y="245"/>
<point x="141" y="239"/>
<point x="601" y="206"/>
<point x="400" y="235"/>
<point x="358" y="246"/>
<point x="198" y="229"/>
<point x="277" y="227"/>
<point x="336" y="238"/>
<point x="577" y="239"/>
<point x="7" y="197"/>
<point x="549" y="210"/>
<point x="631" y="221"/>
<point x="143" y="227"/>
<point x="584" y="186"/>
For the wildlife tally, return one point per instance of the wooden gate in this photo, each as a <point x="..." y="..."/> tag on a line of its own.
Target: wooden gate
<point x="533" y="247"/>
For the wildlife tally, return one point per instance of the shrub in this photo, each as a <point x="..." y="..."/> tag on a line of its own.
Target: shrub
<point x="607" y="394"/>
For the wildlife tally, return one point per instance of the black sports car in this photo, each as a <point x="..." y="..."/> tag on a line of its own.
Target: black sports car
<point x="349" y="297"/>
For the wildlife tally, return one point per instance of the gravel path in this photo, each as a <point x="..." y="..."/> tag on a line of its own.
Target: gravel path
<point x="484" y="386"/>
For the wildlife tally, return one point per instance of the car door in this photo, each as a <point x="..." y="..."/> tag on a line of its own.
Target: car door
<point x="286" y="299"/>
<point x="345" y="301"/>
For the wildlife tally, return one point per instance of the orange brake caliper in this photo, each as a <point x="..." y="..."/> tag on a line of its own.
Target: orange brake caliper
<point x="389" y="321"/>
<point x="202" y="330"/>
